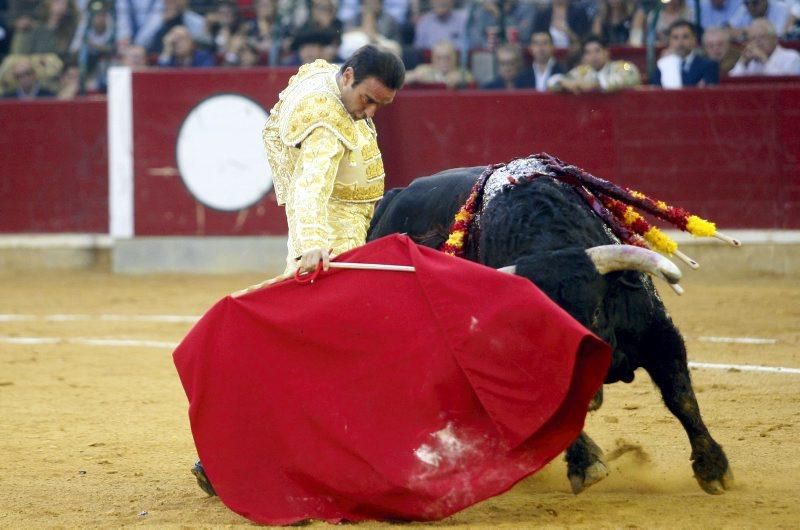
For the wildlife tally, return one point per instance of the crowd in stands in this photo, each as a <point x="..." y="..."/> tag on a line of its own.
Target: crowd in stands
<point x="63" y="48"/>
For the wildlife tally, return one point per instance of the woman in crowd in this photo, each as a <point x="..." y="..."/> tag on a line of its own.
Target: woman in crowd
<point x="672" y="11"/>
<point x="566" y="21"/>
<point x="223" y="24"/>
<point x="54" y="34"/>
<point x="613" y="21"/>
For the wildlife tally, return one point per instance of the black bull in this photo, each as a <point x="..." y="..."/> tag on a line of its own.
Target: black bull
<point x="544" y="227"/>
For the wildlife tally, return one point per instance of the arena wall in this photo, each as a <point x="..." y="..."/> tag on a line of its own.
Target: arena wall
<point x="729" y="153"/>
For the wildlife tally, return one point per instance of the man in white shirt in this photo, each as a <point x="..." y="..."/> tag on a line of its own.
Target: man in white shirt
<point x="544" y="64"/>
<point x="763" y="56"/>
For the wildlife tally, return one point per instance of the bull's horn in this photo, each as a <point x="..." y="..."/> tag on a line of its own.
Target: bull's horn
<point x="510" y="269"/>
<point x="609" y="258"/>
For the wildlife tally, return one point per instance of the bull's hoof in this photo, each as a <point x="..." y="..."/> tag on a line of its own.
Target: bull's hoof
<point x="591" y="475"/>
<point x="597" y="400"/>
<point x="717" y="487"/>
<point x="202" y="480"/>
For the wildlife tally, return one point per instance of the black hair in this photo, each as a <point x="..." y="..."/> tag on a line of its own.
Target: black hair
<point x="310" y="36"/>
<point x="600" y="41"/>
<point x="383" y="65"/>
<point x="682" y="24"/>
<point x="542" y="32"/>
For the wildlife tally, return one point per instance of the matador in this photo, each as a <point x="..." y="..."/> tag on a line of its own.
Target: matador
<point x="322" y="147"/>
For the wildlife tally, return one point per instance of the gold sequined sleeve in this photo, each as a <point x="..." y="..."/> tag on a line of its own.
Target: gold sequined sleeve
<point x="622" y="74"/>
<point x="312" y="185"/>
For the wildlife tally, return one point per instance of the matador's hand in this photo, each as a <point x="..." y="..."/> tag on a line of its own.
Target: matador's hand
<point x="311" y="258"/>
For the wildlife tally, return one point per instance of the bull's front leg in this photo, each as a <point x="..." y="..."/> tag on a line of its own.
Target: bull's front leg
<point x="665" y="361"/>
<point x="585" y="464"/>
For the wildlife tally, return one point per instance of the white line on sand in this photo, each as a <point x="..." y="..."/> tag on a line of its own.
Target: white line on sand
<point x="86" y="341"/>
<point x="738" y="340"/>
<point x="179" y="319"/>
<point x="745" y="368"/>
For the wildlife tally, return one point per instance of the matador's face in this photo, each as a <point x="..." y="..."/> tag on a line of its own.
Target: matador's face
<point x="364" y="99"/>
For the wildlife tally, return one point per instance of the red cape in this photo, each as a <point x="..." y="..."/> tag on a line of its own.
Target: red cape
<point x="384" y="395"/>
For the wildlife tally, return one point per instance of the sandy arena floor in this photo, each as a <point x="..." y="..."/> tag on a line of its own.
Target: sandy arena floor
<point x="96" y="433"/>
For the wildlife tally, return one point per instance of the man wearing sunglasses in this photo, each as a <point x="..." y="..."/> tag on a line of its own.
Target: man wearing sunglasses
<point x="28" y="86"/>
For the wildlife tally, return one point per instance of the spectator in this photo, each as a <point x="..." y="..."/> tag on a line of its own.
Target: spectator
<point x="95" y="47"/>
<point x="597" y="73"/>
<point x="375" y="27"/>
<point x="265" y="31"/>
<point x="323" y="19"/>
<point x="5" y="38"/>
<point x="672" y="11"/>
<point x="96" y="31"/>
<point x="718" y="46"/>
<point x="330" y="51"/>
<point x="134" y="57"/>
<point x="27" y="82"/>
<point x="54" y="35"/>
<point x="308" y="46"/>
<point x="23" y="17"/>
<point x="443" y="69"/>
<point x="793" y="32"/>
<point x="137" y="22"/>
<point x="70" y="83"/>
<point x="511" y="70"/>
<point x="241" y="52"/>
<point x="682" y="65"/>
<point x="566" y="21"/>
<point x="442" y="23"/>
<point x="775" y="11"/>
<point x="222" y="24"/>
<point x="397" y="9"/>
<point x="176" y="13"/>
<point x="374" y="21"/>
<point x="518" y="17"/>
<point x="544" y="64"/>
<point x="23" y="14"/>
<point x="717" y="13"/>
<point x="763" y="56"/>
<point x="613" y="21"/>
<point x="180" y="50"/>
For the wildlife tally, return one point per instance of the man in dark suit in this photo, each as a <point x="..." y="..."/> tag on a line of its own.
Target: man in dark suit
<point x="511" y="72"/>
<point x="544" y="64"/>
<point x="684" y="60"/>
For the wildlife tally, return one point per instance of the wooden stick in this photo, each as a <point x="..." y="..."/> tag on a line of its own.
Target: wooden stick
<point x="686" y="259"/>
<point x="727" y="239"/>
<point x="371" y="266"/>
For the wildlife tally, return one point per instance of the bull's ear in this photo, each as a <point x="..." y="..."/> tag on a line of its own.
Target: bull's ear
<point x="510" y="269"/>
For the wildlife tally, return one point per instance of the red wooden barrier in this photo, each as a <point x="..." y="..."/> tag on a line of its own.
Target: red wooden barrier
<point x="730" y="153"/>
<point x="54" y="169"/>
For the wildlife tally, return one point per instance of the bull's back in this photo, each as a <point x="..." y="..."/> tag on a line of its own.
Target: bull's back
<point x="425" y="209"/>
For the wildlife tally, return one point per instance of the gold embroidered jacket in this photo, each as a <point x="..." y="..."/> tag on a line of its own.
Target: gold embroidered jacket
<point x="326" y="166"/>
<point x="615" y="75"/>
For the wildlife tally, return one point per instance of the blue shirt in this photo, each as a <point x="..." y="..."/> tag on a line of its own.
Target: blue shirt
<point x="777" y="13"/>
<point x="711" y="17"/>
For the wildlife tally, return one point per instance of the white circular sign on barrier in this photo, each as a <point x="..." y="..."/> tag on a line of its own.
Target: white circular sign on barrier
<point x="220" y="153"/>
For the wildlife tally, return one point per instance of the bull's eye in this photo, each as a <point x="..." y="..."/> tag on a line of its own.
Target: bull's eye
<point x="596" y="317"/>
